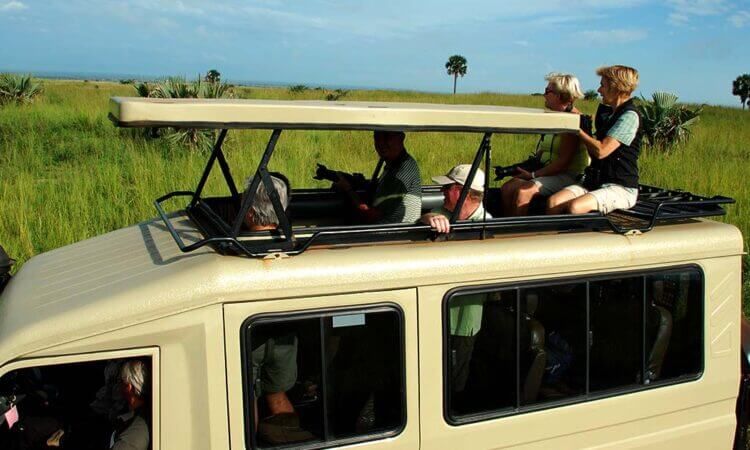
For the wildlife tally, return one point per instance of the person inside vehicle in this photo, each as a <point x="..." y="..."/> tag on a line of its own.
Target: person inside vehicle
<point x="274" y="354"/>
<point x="261" y="215"/>
<point x="452" y="183"/>
<point x="397" y="195"/>
<point x="611" y="182"/>
<point x="131" y="429"/>
<point x="466" y="310"/>
<point x="565" y="156"/>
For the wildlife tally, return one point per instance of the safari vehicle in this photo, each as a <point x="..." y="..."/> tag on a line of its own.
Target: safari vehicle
<point x="618" y="331"/>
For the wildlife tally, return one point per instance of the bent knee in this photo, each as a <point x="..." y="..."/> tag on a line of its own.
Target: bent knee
<point x="579" y="208"/>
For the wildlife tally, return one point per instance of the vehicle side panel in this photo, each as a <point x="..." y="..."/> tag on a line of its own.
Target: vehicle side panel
<point x="193" y="412"/>
<point x="696" y="414"/>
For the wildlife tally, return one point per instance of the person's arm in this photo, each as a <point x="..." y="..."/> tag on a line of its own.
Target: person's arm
<point x="439" y="222"/>
<point x="622" y="132"/>
<point x="369" y="214"/>
<point x="598" y="149"/>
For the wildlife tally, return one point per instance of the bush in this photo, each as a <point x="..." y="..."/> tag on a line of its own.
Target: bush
<point x="591" y="94"/>
<point x="665" y="123"/>
<point x="332" y="96"/>
<point x="298" y="89"/>
<point x="18" y="89"/>
<point x="178" y="87"/>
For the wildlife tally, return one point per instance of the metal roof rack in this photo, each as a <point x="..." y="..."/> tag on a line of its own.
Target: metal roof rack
<point x="655" y="205"/>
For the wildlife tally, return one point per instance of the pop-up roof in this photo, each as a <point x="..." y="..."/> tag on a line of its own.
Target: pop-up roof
<point x="654" y="204"/>
<point x="287" y="114"/>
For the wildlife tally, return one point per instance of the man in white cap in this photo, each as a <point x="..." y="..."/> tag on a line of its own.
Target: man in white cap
<point x="465" y="310"/>
<point x="453" y="183"/>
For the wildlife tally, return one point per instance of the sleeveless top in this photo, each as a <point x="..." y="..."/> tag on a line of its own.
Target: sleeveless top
<point x="548" y="149"/>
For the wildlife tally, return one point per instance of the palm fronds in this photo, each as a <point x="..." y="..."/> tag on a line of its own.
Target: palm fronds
<point x="18" y="89"/>
<point x="665" y="123"/>
<point x="179" y="87"/>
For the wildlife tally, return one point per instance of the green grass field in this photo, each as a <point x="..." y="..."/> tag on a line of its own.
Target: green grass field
<point x="66" y="173"/>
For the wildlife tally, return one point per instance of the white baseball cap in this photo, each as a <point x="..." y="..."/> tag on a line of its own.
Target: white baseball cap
<point x="459" y="174"/>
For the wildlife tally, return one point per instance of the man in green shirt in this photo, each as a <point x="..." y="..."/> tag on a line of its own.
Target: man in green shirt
<point x="465" y="310"/>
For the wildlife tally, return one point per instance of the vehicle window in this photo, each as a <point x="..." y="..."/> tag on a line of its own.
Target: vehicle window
<point x="78" y="405"/>
<point x="515" y="349"/>
<point x="325" y="377"/>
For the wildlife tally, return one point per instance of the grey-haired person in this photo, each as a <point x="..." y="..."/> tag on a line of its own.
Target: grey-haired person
<point x="564" y="155"/>
<point x="131" y="429"/>
<point x="611" y="182"/>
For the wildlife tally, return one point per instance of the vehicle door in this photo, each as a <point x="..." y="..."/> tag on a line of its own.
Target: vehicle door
<point x="324" y="371"/>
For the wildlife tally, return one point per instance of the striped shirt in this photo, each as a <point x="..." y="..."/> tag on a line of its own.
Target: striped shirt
<point x="398" y="194"/>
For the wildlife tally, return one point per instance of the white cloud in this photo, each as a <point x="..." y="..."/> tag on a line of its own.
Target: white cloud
<point x="678" y="19"/>
<point x="683" y="10"/>
<point x="13" y="6"/>
<point x="621" y="36"/>
<point x="522" y="43"/>
<point x="740" y="18"/>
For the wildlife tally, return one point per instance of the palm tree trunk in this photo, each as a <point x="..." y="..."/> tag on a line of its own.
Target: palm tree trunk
<point x="455" y="78"/>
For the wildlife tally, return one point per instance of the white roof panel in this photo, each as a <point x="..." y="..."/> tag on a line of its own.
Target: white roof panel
<point x="290" y="114"/>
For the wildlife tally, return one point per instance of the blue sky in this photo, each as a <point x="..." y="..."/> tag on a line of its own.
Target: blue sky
<point x="692" y="48"/>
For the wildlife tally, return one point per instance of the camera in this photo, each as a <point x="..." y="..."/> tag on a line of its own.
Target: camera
<point x="531" y="164"/>
<point x="356" y="180"/>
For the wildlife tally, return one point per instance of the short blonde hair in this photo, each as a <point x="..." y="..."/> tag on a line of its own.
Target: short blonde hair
<point x="623" y="79"/>
<point x="566" y="85"/>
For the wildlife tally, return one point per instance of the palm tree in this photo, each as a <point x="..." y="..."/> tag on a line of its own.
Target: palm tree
<point x="212" y="76"/>
<point x="741" y="88"/>
<point x="456" y="66"/>
<point x="664" y="122"/>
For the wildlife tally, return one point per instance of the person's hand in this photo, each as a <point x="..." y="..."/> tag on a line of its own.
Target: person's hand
<point x="54" y="440"/>
<point x="342" y="185"/>
<point x="522" y="174"/>
<point x="439" y="222"/>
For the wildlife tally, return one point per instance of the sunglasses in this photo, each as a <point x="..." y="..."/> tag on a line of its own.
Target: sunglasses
<point x="549" y="91"/>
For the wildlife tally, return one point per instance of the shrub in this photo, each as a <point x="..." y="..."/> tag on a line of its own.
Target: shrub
<point x="665" y="123"/>
<point x="332" y="96"/>
<point x="179" y="87"/>
<point x="591" y="94"/>
<point x="18" y="89"/>
<point x="298" y="89"/>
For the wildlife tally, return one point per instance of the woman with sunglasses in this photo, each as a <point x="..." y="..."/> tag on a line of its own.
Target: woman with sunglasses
<point x="564" y="156"/>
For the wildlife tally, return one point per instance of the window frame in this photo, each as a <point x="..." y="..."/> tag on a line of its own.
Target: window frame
<point x="153" y="353"/>
<point x="586" y="396"/>
<point x="248" y="394"/>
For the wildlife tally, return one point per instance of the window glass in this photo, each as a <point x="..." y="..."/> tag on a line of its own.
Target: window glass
<point x="616" y="332"/>
<point x="554" y="357"/>
<point x="325" y="377"/>
<point x="482" y="351"/>
<point x="516" y="348"/>
<point x="77" y="405"/>
<point x="674" y="330"/>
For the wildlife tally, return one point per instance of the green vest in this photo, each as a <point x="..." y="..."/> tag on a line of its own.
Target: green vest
<point x="549" y="150"/>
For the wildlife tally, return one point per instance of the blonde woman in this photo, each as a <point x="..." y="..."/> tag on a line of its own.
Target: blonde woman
<point x="612" y="180"/>
<point x="564" y="156"/>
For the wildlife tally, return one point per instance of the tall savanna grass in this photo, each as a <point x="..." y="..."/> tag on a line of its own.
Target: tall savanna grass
<point x="66" y="173"/>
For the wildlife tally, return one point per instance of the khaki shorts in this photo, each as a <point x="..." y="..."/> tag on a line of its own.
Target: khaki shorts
<point x="609" y="196"/>
<point x="551" y="184"/>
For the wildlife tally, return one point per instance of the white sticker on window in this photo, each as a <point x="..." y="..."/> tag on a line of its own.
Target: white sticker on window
<point x="349" y="320"/>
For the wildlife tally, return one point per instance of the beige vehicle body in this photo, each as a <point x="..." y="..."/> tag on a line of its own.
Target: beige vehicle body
<point x="132" y="292"/>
